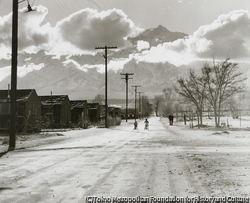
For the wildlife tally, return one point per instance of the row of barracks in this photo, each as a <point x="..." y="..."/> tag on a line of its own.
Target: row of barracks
<point x="56" y="111"/>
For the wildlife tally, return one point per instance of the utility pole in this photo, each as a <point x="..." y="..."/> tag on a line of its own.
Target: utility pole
<point x="106" y="81"/>
<point x="51" y="110"/>
<point x="126" y="80"/>
<point x="13" y="106"/>
<point x="140" y="102"/>
<point x="12" y="140"/>
<point x="135" y="86"/>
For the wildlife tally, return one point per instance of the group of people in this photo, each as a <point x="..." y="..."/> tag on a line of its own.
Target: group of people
<point x="171" y="121"/>
<point x="146" y="125"/>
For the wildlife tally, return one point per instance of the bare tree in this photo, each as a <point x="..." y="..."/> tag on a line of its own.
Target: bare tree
<point x="170" y="100"/>
<point x="146" y="106"/>
<point x="231" y="103"/>
<point x="157" y="102"/>
<point x="222" y="81"/>
<point x="194" y="90"/>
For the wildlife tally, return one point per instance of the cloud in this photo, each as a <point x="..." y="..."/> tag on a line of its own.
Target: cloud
<point x="115" y="65"/>
<point x="24" y="70"/>
<point x="72" y="63"/>
<point x="226" y="36"/>
<point x="175" y="53"/>
<point x="88" y="28"/>
<point x="32" y="34"/>
<point x="77" y="34"/>
<point x="229" y="34"/>
<point x="5" y="36"/>
<point x="5" y="72"/>
<point x="21" y="71"/>
<point x="142" y="45"/>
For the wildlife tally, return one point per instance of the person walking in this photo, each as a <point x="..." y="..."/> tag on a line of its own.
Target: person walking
<point x="135" y="125"/>
<point x="171" y="119"/>
<point x="146" y="124"/>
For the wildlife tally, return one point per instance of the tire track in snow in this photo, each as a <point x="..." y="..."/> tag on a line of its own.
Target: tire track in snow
<point x="46" y="168"/>
<point x="184" y="171"/>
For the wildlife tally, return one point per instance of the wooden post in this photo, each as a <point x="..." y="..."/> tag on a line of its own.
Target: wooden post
<point x="13" y="110"/>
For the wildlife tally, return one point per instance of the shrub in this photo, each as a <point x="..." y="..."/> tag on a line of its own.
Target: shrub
<point x="118" y="120"/>
<point x="111" y="122"/>
<point x="32" y="125"/>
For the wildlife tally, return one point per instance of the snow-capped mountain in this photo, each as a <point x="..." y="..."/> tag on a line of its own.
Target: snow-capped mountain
<point x="81" y="77"/>
<point x="155" y="36"/>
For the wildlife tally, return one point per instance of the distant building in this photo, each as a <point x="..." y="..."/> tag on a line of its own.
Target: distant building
<point x="56" y="110"/>
<point x="79" y="113"/>
<point x="118" y="111"/>
<point x="114" y="111"/>
<point x="28" y="109"/>
<point x="102" y="112"/>
<point x="111" y="112"/>
<point x="131" y="113"/>
<point x="94" y="112"/>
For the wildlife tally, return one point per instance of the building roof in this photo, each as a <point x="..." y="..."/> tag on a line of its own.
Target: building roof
<point x="21" y="95"/>
<point x="77" y="104"/>
<point x="93" y="105"/>
<point x="114" y="106"/>
<point x="53" y="100"/>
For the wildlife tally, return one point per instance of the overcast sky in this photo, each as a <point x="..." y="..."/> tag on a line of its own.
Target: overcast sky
<point x="71" y="27"/>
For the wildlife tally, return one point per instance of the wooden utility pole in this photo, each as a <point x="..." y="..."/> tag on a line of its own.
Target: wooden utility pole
<point x="12" y="140"/>
<point x="51" y="110"/>
<point x="13" y="105"/>
<point x="135" y="86"/>
<point x="126" y="80"/>
<point x="140" y="102"/>
<point x="106" y="81"/>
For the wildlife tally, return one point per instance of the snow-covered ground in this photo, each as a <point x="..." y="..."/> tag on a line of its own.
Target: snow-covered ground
<point x="162" y="161"/>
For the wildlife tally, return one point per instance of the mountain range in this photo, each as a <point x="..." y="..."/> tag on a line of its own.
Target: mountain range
<point x="63" y="76"/>
<point x="155" y="36"/>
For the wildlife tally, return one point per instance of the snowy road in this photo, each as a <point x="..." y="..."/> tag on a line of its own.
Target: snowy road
<point x="120" y="162"/>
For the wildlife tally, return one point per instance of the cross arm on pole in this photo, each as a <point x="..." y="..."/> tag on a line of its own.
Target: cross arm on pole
<point x="126" y="76"/>
<point x="126" y="73"/>
<point x="106" y="47"/>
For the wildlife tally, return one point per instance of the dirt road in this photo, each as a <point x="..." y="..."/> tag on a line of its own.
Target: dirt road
<point x="122" y="162"/>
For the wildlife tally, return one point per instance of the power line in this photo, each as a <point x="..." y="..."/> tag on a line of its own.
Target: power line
<point x="131" y="102"/>
<point x="118" y="94"/>
<point x="57" y="81"/>
<point x="67" y="78"/>
<point x="79" y="4"/>
<point x="82" y="82"/>
<point x="66" y="10"/>
<point x="33" y="2"/>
